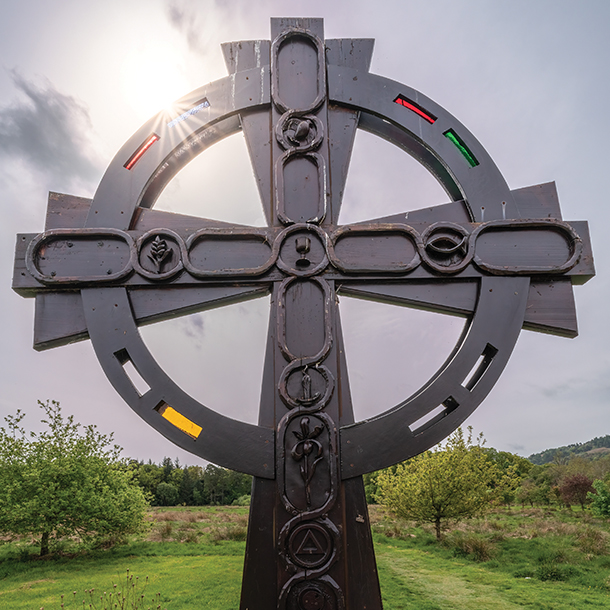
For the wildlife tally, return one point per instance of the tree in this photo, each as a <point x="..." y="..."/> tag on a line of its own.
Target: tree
<point x="527" y="493"/>
<point x="167" y="494"/>
<point x="600" y="499"/>
<point x="147" y="476"/>
<point x="514" y="469"/>
<point x="575" y="488"/>
<point x="452" y="482"/>
<point x="190" y="476"/>
<point x="65" y="482"/>
<point x="222" y="486"/>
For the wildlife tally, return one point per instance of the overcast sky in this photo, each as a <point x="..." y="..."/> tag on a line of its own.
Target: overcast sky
<point x="528" y="78"/>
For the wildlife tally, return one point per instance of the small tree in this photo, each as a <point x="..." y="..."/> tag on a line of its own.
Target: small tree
<point x="65" y="482"/>
<point x="600" y="500"/>
<point x="452" y="482"/>
<point x="167" y="495"/>
<point x="575" y="488"/>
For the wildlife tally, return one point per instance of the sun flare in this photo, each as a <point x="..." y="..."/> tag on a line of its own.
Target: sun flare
<point x="152" y="78"/>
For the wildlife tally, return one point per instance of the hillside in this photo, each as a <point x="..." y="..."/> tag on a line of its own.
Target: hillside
<point x="592" y="449"/>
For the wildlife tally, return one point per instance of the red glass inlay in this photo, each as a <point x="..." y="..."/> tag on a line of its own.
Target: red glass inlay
<point x="138" y="154"/>
<point x="416" y="108"/>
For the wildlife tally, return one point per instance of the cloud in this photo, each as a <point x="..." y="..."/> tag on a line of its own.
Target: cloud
<point x="592" y="386"/>
<point x="193" y="327"/>
<point x="48" y="131"/>
<point x="201" y="23"/>
<point x="185" y="19"/>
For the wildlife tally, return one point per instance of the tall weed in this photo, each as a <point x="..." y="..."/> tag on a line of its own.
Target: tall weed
<point x="476" y="547"/>
<point x="592" y="541"/>
<point x="127" y="594"/>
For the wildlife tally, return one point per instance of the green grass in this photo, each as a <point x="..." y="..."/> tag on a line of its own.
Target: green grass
<point x="534" y="559"/>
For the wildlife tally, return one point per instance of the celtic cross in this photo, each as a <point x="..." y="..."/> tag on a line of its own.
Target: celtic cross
<point x="503" y="259"/>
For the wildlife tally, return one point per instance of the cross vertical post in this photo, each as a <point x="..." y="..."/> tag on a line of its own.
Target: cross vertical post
<point x="311" y="524"/>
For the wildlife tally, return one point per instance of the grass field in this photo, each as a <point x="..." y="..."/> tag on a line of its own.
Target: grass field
<point x="192" y="558"/>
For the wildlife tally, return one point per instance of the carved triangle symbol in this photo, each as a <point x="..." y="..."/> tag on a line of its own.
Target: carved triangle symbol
<point x="310" y="545"/>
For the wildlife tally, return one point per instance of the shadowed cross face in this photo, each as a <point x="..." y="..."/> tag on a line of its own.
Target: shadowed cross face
<point x="502" y="259"/>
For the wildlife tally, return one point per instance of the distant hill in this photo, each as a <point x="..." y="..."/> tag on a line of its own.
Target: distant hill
<point x="593" y="449"/>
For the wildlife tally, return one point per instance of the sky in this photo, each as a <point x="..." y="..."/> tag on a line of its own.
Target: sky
<point x="528" y="79"/>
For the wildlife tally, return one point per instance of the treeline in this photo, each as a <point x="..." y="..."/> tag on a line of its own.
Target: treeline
<point x="511" y="471"/>
<point x="170" y="484"/>
<point x="564" y="483"/>
<point x="562" y="454"/>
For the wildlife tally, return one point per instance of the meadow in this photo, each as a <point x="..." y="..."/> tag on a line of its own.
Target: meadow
<point x="191" y="557"/>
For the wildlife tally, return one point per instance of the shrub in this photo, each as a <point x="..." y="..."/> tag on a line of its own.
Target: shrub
<point x="242" y="500"/>
<point x="230" y="532"/>
<point x="167" y="494"/>
<point x="600" y="501"/>
<point x="550" y="571"/>
<point x="592" y="541"/>
<point x="550" y="568"/>
<point x="65" y="483"/>
<point x="471" y="545"/>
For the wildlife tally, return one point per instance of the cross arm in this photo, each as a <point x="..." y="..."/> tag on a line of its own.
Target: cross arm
<point x="538" y="247"/>
<point x="550" y="305"/>
<point x="56" y="265"/>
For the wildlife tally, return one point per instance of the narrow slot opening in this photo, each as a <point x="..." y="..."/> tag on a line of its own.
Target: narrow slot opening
<point x="140" y="151"/>
<point x="414" y="107"/>
<point x="459" y="143"/>
<point x="434" y="416"/>
<point x="481" y="365"/>
<point x="178" y="420"/>
<point x="138" y="382"/>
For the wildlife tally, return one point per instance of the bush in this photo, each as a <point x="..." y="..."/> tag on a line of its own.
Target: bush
<point x="242" y="500"/>
<point x="592" y="541"/>
<point x="65" y="483"/>
<point x="549" y="568"/>
<point x="166" y="495"/>
<point x="600" y="501"/>
<point x="236" y="533"/>
<point x="471" y="545"/>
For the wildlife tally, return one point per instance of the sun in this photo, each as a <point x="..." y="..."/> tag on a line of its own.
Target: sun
<point x="152" y="78"/>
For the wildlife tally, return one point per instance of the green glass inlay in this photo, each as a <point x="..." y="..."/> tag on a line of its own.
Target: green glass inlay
<point x="453" y="137"/>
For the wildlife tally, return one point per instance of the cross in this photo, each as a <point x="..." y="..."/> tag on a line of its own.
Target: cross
<point x="503" y="259"/>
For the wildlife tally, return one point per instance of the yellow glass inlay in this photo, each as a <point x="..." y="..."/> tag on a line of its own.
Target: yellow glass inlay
<point x="178" y="420"/>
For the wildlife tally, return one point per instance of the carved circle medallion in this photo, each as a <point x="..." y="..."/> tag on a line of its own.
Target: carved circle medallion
<point x="158" y="255"/>
<point x="310" y="545"/>
<point x="303" y="250"/>
<point x="446" y="247"/>
<point x="312" y="599"/>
